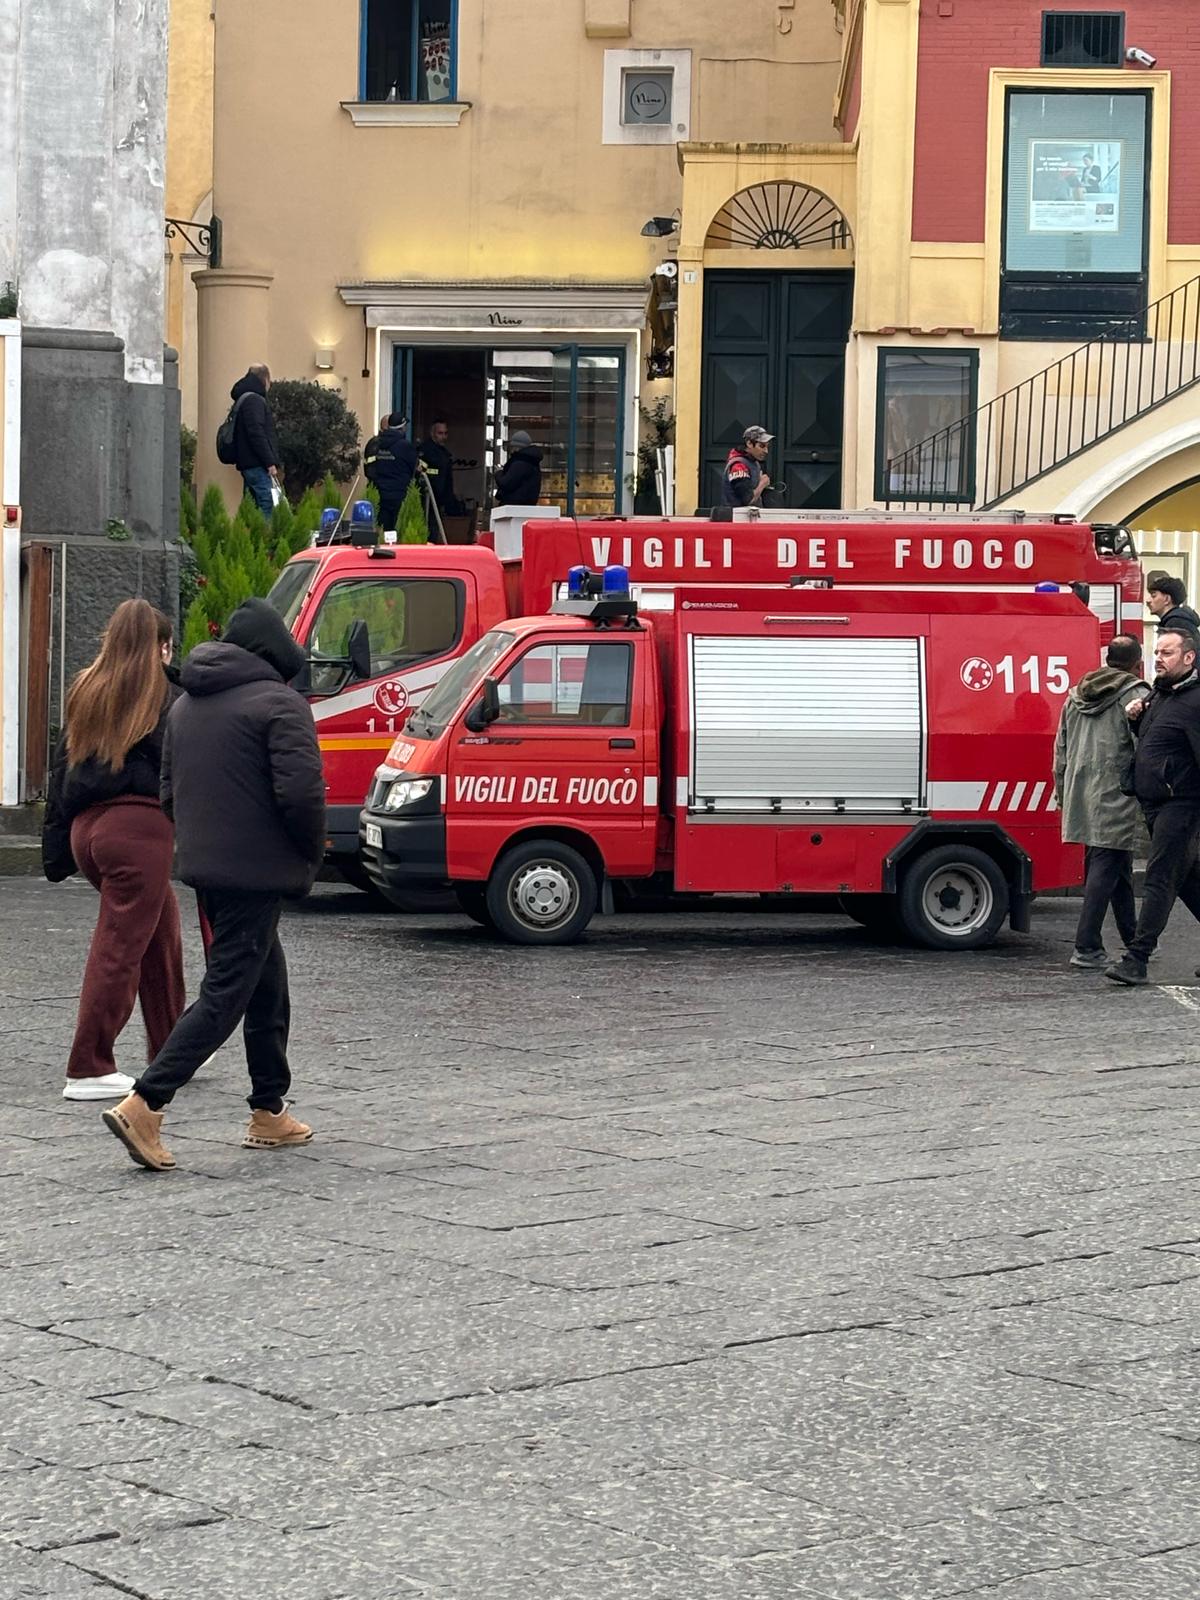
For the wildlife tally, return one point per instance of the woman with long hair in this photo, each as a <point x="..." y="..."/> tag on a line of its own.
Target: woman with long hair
<point x="104" y="787"/>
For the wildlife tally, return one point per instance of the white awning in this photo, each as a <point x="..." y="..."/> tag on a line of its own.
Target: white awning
<point x="501" y="310"/>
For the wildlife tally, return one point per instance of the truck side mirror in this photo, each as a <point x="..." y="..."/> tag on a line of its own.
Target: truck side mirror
<point x="486" y="710"/>
<point x="358" y="648"/>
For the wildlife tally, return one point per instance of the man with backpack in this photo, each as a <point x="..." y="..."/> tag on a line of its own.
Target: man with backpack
<point x="246" y="439"/>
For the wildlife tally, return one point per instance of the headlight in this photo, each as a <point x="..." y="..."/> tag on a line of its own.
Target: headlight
<point x="405" y="791"/>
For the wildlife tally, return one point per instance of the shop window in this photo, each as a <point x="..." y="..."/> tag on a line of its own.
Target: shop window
<point x="1083" y="38"/>
<point x="925" y="425"/>
<point x="1075" y="214"/>
<point x="579" y="683"/>
<point x="407" y="620"/>
<point x="408" y="50"/>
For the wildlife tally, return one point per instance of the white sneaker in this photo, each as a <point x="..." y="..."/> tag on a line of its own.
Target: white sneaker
<point x="112" y="1086"/>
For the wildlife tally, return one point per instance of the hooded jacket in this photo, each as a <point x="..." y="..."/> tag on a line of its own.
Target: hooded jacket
<point x="390" y="462"/>
<point x="1092" y="757"/>
<point x="519" y="481"/>
<point x="254" y="441"/>
<point x="740" y="478"/>
<point x="1180" y="617"/>
<point x="241" y="772"/>
<point x="1167" y="764"/>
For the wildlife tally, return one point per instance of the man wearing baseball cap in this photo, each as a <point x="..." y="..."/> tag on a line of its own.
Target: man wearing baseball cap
<point x="744" y="482"/>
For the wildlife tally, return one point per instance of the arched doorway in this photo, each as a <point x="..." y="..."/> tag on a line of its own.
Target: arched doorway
<point x="774" y="338"/>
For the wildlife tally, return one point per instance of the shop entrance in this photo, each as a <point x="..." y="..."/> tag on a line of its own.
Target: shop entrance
<point x="569" y="399"/>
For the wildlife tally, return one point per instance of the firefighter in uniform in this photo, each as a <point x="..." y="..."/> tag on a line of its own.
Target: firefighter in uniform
<point x="390" y="463"/>
<point x="744" y="482"/>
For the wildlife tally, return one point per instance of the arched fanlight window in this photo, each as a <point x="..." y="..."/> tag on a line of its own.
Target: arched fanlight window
<point x="779" y="216"/>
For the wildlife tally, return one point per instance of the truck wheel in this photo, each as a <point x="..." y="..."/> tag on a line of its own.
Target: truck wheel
<point x="953" y="898"/>
<point x="541" y="892"/>
<point x="877" y="913"/>
<point x="472" y="901"/>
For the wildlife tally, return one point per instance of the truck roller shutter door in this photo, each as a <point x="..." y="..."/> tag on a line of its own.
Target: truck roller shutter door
<point x="807" y="724"/>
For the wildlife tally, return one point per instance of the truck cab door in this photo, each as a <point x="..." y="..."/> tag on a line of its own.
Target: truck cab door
<point x="575" y="747"/>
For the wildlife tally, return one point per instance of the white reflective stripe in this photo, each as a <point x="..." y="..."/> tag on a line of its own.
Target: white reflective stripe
<point x="998" y="798"/>
<point x="416" y="683"/>
<point x="1014" y="803"/>
<point x="681" y="791"/>
<point x="1035" y="799"/>
<point x="442" y="786"/>
<point x="650" y="793"/>
<point x="948" y="796"/>
<point x="1052" y="804"/>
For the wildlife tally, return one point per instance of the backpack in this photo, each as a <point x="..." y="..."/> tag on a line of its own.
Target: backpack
<point x="226" y="451"/>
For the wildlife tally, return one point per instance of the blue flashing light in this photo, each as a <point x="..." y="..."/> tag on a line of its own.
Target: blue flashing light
<point x="1045" y="588"/>
<point x="330" y="518"/>
<point x="616" y="582"/>
<point x="576" y="580"/>
<point x="362" y="512"/>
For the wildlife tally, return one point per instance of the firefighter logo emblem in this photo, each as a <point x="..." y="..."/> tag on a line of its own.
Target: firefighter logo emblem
<point x="976" y="673"/>
<point x="391" y="698"/>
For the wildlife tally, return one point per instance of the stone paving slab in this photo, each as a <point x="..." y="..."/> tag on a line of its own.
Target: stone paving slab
<point x="721" y="1257"/>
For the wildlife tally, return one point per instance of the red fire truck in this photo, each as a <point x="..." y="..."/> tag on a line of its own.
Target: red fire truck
<point x="890" y="745"/>
<point x="383" y="625"/>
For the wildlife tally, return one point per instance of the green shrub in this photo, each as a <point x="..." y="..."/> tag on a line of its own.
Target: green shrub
<point x="318" y="435"/>
<point x="187" y="455"/>
<point x="411" y="527"/>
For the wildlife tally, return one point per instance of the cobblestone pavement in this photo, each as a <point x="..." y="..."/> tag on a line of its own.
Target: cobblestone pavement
<point x="719" y="1258"/>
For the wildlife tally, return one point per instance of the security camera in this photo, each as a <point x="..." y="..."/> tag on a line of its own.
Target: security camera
<point x="1142" y="57"/>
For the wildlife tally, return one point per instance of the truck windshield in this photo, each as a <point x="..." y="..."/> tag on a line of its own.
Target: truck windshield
<point x="443" y="700"/>
<point x="290" y="587"/>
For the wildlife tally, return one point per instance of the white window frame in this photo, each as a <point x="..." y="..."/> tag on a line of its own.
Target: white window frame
<point x="616" y="64"/>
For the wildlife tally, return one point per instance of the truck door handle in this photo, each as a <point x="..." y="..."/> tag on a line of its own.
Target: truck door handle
<point x="622" y="744"/>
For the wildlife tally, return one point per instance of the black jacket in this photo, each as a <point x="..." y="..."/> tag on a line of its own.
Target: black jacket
<point x="241" y="769"/>
<point x="439" y="465"/>
<point x="73" y="790"/>
<point x="1180" y="617"/>
<point x="1166" y="765"/>
<point x="254" y="440"/>
<point x="390" y="462"/>
<point x="739" y="479"/>
<point x="519" y="481"/>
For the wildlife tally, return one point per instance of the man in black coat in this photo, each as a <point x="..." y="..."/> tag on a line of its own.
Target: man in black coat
<point x="390" y="463"/>
<point x="241" y="776"/>
<point x="1166" y="781"/>
<point x="519" y="481"/>
<point x="256" y="449"/>
<point x="439" y="468"/>
<point x="1166" y="597"/>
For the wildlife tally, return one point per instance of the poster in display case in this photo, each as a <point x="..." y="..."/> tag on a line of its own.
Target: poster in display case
<point x="1074" y="186"/>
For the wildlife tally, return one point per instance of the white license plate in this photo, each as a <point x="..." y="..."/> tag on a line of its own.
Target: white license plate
<point x="374" y="836"/>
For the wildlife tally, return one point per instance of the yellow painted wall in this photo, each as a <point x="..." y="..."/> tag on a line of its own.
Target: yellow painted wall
<point x="522" y="190"/>
<point x="189" y="177"/>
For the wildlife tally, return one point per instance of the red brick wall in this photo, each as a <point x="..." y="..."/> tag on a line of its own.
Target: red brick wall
<point x="961" y="40"/>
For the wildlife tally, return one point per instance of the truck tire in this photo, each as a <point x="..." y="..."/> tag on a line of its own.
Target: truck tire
<point x="877" y="913"/>
<point x="953" y="898"/>
<point x="472" y="902"/>
<point x="541" y="892"/>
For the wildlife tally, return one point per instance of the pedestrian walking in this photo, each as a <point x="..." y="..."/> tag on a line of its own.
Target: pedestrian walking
<point x="103" y="818"/>
<point x="390" y="462"/>
<point x="1166" y="781"/>
<point x="519" y="480"/>
<point x="255" y="446"/>
<point x="1166" y="597"/>
<point x="241" y="775"/>
<point x="744" y="482"/>
<point x="1093" y="755"/>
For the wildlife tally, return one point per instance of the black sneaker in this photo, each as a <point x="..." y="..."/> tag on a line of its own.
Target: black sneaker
<point x="1129" y="970"/>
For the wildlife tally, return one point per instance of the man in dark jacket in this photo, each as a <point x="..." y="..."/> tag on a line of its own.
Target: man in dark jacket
<point x="242" y="778"/>
<point x="256" y="449"/>
<point x="519" y="481"/>
<point x="439" y="468"/>
<point x="390" y="462"/>
<point x="1166" y="780"/>
<point x="744" y="481"/>
<point x="1165" y="597"/>
<point x="1092" y="754"/>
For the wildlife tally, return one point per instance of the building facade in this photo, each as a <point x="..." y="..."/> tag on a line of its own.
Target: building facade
<point x="188" y="196"/>
<point x="449" y="218"/>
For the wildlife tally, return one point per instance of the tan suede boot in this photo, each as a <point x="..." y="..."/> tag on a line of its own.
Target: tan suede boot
<point x="138" y="1129"/>
<point x="271" y="1130"/>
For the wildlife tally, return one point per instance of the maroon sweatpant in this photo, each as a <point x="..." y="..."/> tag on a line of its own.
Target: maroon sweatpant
<point x="124" y="849"/>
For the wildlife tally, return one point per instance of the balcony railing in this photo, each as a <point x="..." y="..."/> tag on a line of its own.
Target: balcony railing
<point x="1057" y="414"/>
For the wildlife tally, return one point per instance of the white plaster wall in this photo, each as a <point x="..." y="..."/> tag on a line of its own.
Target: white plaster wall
<point x="10" y="29"/>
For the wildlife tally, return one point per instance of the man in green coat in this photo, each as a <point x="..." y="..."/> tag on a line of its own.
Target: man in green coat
<point x="1093" y="758"/>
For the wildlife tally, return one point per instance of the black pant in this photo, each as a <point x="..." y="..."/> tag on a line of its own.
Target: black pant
<point x="1108" y="880"/>
<point x="246" y="979"/>
<point x="1171" y="871"/>
<point x="389" y="510"/>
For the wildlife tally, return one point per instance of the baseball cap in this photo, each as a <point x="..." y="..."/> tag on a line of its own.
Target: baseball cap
<point x="757" y="435"/>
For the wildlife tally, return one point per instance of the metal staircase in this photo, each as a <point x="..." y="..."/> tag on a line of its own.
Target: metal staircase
<point x="1057" y="414"/>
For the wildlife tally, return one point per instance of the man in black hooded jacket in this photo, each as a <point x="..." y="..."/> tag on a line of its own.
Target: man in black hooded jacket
<point x="256" y="449"/>
<point x="241" y="776"/>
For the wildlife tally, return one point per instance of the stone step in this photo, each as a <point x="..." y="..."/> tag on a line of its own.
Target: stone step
<point x="23" y="821"/>
<point x="20" y="857"/>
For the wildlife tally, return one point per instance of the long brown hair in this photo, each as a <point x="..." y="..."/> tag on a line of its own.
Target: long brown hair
<point x="119" y="698"/>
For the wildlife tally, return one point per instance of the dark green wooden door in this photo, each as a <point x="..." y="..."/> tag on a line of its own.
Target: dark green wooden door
<point x="775" y="354"/>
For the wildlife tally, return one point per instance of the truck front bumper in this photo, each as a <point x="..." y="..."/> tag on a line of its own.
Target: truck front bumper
<point x="404" y="852"/>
